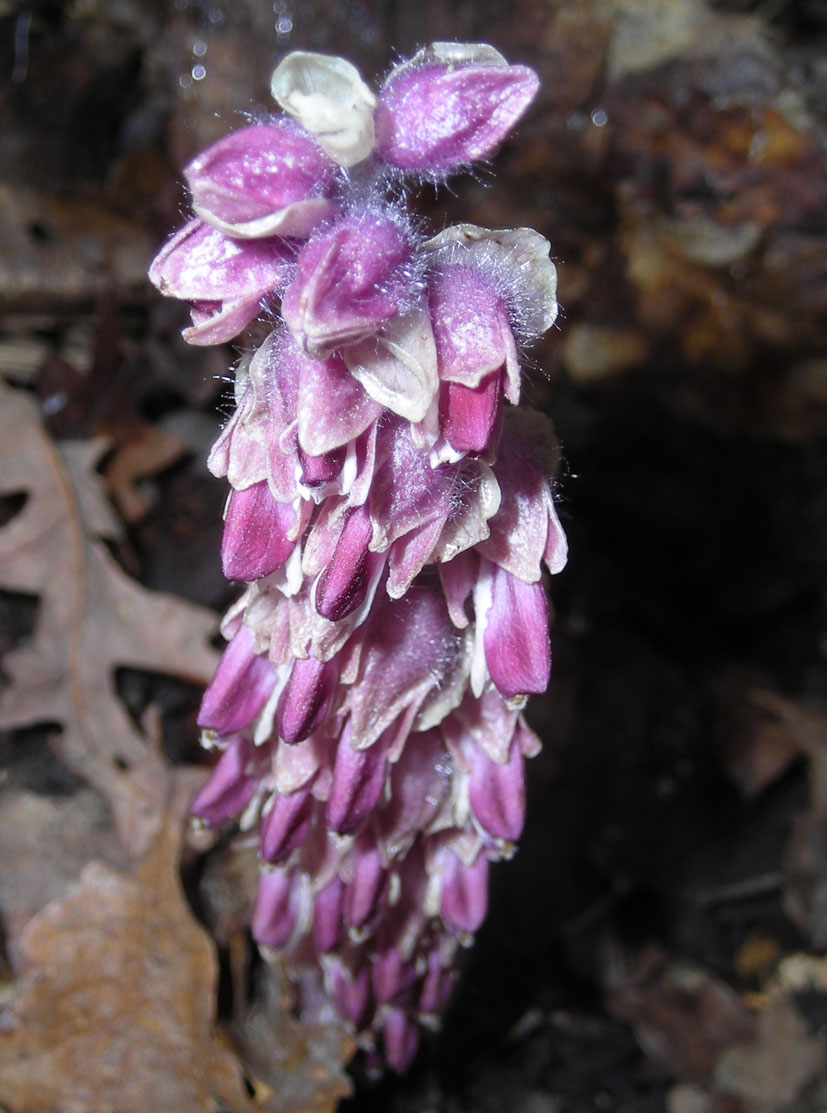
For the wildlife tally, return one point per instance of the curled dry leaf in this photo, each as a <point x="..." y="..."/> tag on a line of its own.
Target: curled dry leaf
<point x="116" y="1010"/>
<point x="92" y="620"/>
<point x="293" y="1067"/>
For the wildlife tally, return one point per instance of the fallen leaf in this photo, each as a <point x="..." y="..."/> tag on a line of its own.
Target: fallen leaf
<point x="147" y="450"/>
<point x="292" y="1066"/>
<point x="683" y="1016"/>
<point x="46" y="841"/>
<point x="92" y="620"/>
<point x="771" y="1073"/>
<point x="117" y="1009"/>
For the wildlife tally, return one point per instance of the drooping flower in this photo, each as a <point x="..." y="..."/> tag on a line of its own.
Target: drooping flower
<point x="390" y="513"/>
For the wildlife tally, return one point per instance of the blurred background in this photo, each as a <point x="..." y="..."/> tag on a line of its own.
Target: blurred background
<point x="663" y="927"/>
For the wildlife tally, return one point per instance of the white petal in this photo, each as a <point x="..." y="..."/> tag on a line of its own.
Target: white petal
<point x="398" y="367"/>
<point x="329" y="98"/>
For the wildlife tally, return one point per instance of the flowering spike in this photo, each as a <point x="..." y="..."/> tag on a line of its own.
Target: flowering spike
<point x="390" y="512"/>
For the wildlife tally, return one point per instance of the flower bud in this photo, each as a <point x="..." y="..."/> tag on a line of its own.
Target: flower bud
<point x="264" y="180"/>
<point x="256" y="528"/>
<point x="240" y="688"/>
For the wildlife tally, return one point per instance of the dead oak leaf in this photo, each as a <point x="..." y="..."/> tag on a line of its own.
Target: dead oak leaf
<point x="116" y="1010"/>
<point x="92" y="619"/>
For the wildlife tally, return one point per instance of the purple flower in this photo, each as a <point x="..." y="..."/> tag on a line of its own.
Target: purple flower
<point x="265" y="180"/>
<point x="451" y="104"/>
<point x="390" y="514"/>
<point x="351" y="279"/>
<point x="225" y="281"/>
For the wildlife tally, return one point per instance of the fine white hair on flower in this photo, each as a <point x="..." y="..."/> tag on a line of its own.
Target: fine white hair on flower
<point x="517" y="260"/>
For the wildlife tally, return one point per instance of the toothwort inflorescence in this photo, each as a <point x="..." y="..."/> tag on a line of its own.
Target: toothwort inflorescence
<point x="389" y="514"/>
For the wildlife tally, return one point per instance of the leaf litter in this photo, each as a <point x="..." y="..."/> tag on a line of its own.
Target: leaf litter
<point x="115" y="1003"/>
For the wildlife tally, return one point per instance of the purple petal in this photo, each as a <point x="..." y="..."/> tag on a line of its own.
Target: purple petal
<point x="284" y="827"/>
<point x="217" y="322"/>
<point x="358" y="779"/>
<point x="256" y="530"/>
<point x="367" y="886"/>
<point x="436" y="985"/>
<point x="349" y="281"/>
<point x="400" y="1039"/>
<point x="497" y="793"/>
<point x="471" y="324"/>
<point x="410" y="650"/>
<point x="333" y="409"/>
<point x="468" y="415"/>
<point x="525" y="530"/>
<point x="392" y="976"/>
<point x="240" y="688"/>
<point x="464" y="893"/>
<point x="303" y="703"/>
<point x="421" y="783"/>
<point x="458" y="577"/>
<point x="317" y="471"/>
<point x="343" y="583"/>
<point x="516" y="638"/>
<point x="199" y="263"/>
<point x="328" y="916"/>
<point x="276" y="909"/>
<point x="231" y="786"/>
<point x="351" y="993"/>
<point x="433" y="119"/>
<point x="262" y="180"/>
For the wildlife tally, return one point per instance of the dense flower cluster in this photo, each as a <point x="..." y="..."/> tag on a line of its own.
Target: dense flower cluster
<point x="389" y="517"/>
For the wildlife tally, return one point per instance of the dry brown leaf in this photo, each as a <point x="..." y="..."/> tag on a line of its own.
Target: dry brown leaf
<point x="683" y="1016"/>
<point x="292" y="1067"/>
<point x="46" y="841"/>
<point x="92" y="620"/>
<point x="147" y="450"/>
<point x="117" y="1009"/>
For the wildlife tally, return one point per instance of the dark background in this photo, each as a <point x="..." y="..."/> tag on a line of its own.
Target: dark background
<point x="675" y="157"/>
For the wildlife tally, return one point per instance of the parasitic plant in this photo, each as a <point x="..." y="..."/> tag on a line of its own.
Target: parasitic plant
<point x="390" y="512"/>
